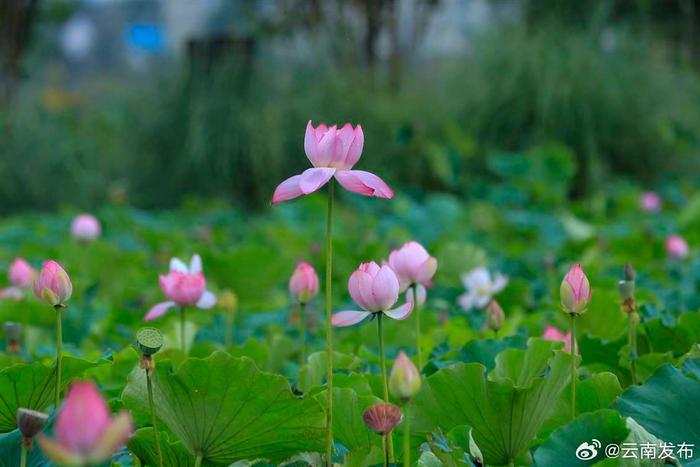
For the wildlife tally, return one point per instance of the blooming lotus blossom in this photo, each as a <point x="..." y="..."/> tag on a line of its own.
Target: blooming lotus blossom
<point x="553" y="334"/>
<point x="20" y="275"/>
<point x="575" y="291"/>
<point x="53" y="284"/>
<point x="303" y="284"/>
<point x="183" y="286"/>
<point x="650" y="201"/>
<point x="85" y="228"/>
<point x="404" y="381"/>
<point x="332" y="152"/>
<point x="677" y="247"/>
<point x="481" y="287"/>
<point x="412" y="265"/>
<point x="376" y="289"/>
<point x="86" y="434"/>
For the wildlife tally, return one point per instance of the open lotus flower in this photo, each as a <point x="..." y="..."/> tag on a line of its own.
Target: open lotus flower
<point x="376" y="289"/>
<point x="412" y="265"/>
<point x="677" y="247"/>
<point x="553" y="334"/>
<point x="184" y="286"/>
<point x="53" y="284"/>
<point x="332" y="152"/>
<point x="481" y="287"/>
<point x="85" y="228"/>
<point x="21" y="275"/>
<point x="85" y="432"/>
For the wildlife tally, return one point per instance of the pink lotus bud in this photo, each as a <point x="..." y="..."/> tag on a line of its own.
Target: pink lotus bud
<point x="85" y="432"/>
<point x="677" y="247"/>
<point x="85" y="227"/>
<point x="575" y="291"/>
<point x="303" y="284"/>
<point x="494" y="315"/>
<point x="553" y="334"/>
<point x="404" y="381"/>
<point x="21" y="274"/>
<point x="650" y="201"/>
<point x="412" y="265"/>
<point x="382" y="417"/>
<point x="53" y="284"/>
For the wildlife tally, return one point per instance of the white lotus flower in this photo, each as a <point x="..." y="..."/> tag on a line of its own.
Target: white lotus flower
<point x="481" y="287"/>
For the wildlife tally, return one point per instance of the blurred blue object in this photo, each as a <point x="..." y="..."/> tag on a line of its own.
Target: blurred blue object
<point x="148" y="37"/>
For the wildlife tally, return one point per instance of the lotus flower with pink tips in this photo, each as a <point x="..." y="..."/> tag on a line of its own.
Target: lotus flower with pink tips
<point x="376" y="289"/>
<point x="183" y="286"/>
<point x="333" y="152"/>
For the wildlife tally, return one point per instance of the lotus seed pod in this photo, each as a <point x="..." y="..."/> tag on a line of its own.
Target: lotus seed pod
<point x="13" y="332"/>
<point x="30" y="422"/>
<point x="149" y="340"/>
<point x="382" y="417"/>
<point x="626" y="289"/>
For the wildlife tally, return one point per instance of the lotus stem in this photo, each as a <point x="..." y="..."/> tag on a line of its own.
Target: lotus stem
<point x="385" y="444"/>
<point x="385" y="379"/>
<point x="406" y="437"/>
<point x="183" y="317"/>
<point x="23" y="455"/>
<point x="228" y="335"/>
<point x="59" y="354"/>
<point x="329" y="325"/>
<point x="416" y="309"/>
<point x="198" y="460"/>
<point x="632" y="343"/>
<point x="573" y="366"/>
<point x="302" y="334"/>
<point x="149" y="385"/>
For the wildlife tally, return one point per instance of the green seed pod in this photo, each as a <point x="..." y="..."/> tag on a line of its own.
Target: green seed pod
<point x="148" y="340"/>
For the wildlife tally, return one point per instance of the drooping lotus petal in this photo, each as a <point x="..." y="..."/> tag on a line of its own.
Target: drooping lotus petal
<point x="58" y="453"/>
<point x="364" y="183"/>
<point x="348" y="318"/>
<point x="288" y="189"/>
<point x="158" y="310"/>
<point x="207" y="300"/>
<point x="401" y="312"/>
<point x="313" y="179"/>
<point x="115" y="436"/>
<point x="421" y="294"/>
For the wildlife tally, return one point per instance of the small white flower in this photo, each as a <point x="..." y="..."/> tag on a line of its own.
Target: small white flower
<point x="481" y="287"/>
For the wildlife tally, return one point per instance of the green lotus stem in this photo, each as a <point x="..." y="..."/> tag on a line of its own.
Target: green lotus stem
<point x="198" y="460"/>
<point x="385" y="379"/>
<point x="573" y="366"/>
<point x="406" y="437"/>
<point x="416" y="309"/>
<point x="329" y="325"/>
<point x="632" y="344"/>
<point x="59" y="354"/>
<point x="23" y="455"/>
<point x="302" y="334"/>
<point x="149" y="385"/>
<point x="182" y="330"/>
<point x="385" y="444"/>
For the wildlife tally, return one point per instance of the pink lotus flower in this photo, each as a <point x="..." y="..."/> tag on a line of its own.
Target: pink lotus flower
<point x="303" y="284"/>
<point x="677" y="247"/>
<point x="412" y="265"/>
<point x="85" y="432"/>
<point x="575" y="291"/>
<point x="376" y="290"/>
<point x="650" y="201"/>
<point x="21" y="275"/>
<point x="183" y="286"/>
<point x="404" y="381"/>
<point x="553" y="334"/>
<point x="85" y="228"/>
<point x="53" y="284"/>
<point x="332" y="152"/>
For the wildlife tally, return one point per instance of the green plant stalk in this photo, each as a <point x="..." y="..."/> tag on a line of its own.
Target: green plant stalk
<point x="149" y="384"/>
<point x="385" y="444"/>
<point x="416" y="305"/>
<point x="385" y="379"/>
<point x="406" y="436"/>
<point x="183" y="317"/>
<point x="59" y="354"/>
<point x="229" y="328"/>
<point x="329" y="325"/>
<point x="198" y="460"/>
<point x="632" y="344"/>
<point x="302" y="334"/>
<point x="23" y="455"/>
<point x="573" y="366"/>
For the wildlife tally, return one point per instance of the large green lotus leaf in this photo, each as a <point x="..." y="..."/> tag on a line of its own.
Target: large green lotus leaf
<point x="484" y="351"/>
<point x="594" y="393"/>
<point x="647" y="363"/>
<point x="142" y="444"/>
<point x="603" y="318"/>
<point x="667" y="405"/>
<point x="229" y="410"/>
<point x="10" y="452"/>
<point x="313" y="373"/>
<point x="32" y="385"/>
<point x="597" y="429"/>
<point x="506" y="408"/>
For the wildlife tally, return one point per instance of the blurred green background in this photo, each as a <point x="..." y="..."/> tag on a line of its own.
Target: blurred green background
<point x="156" y="102"/>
